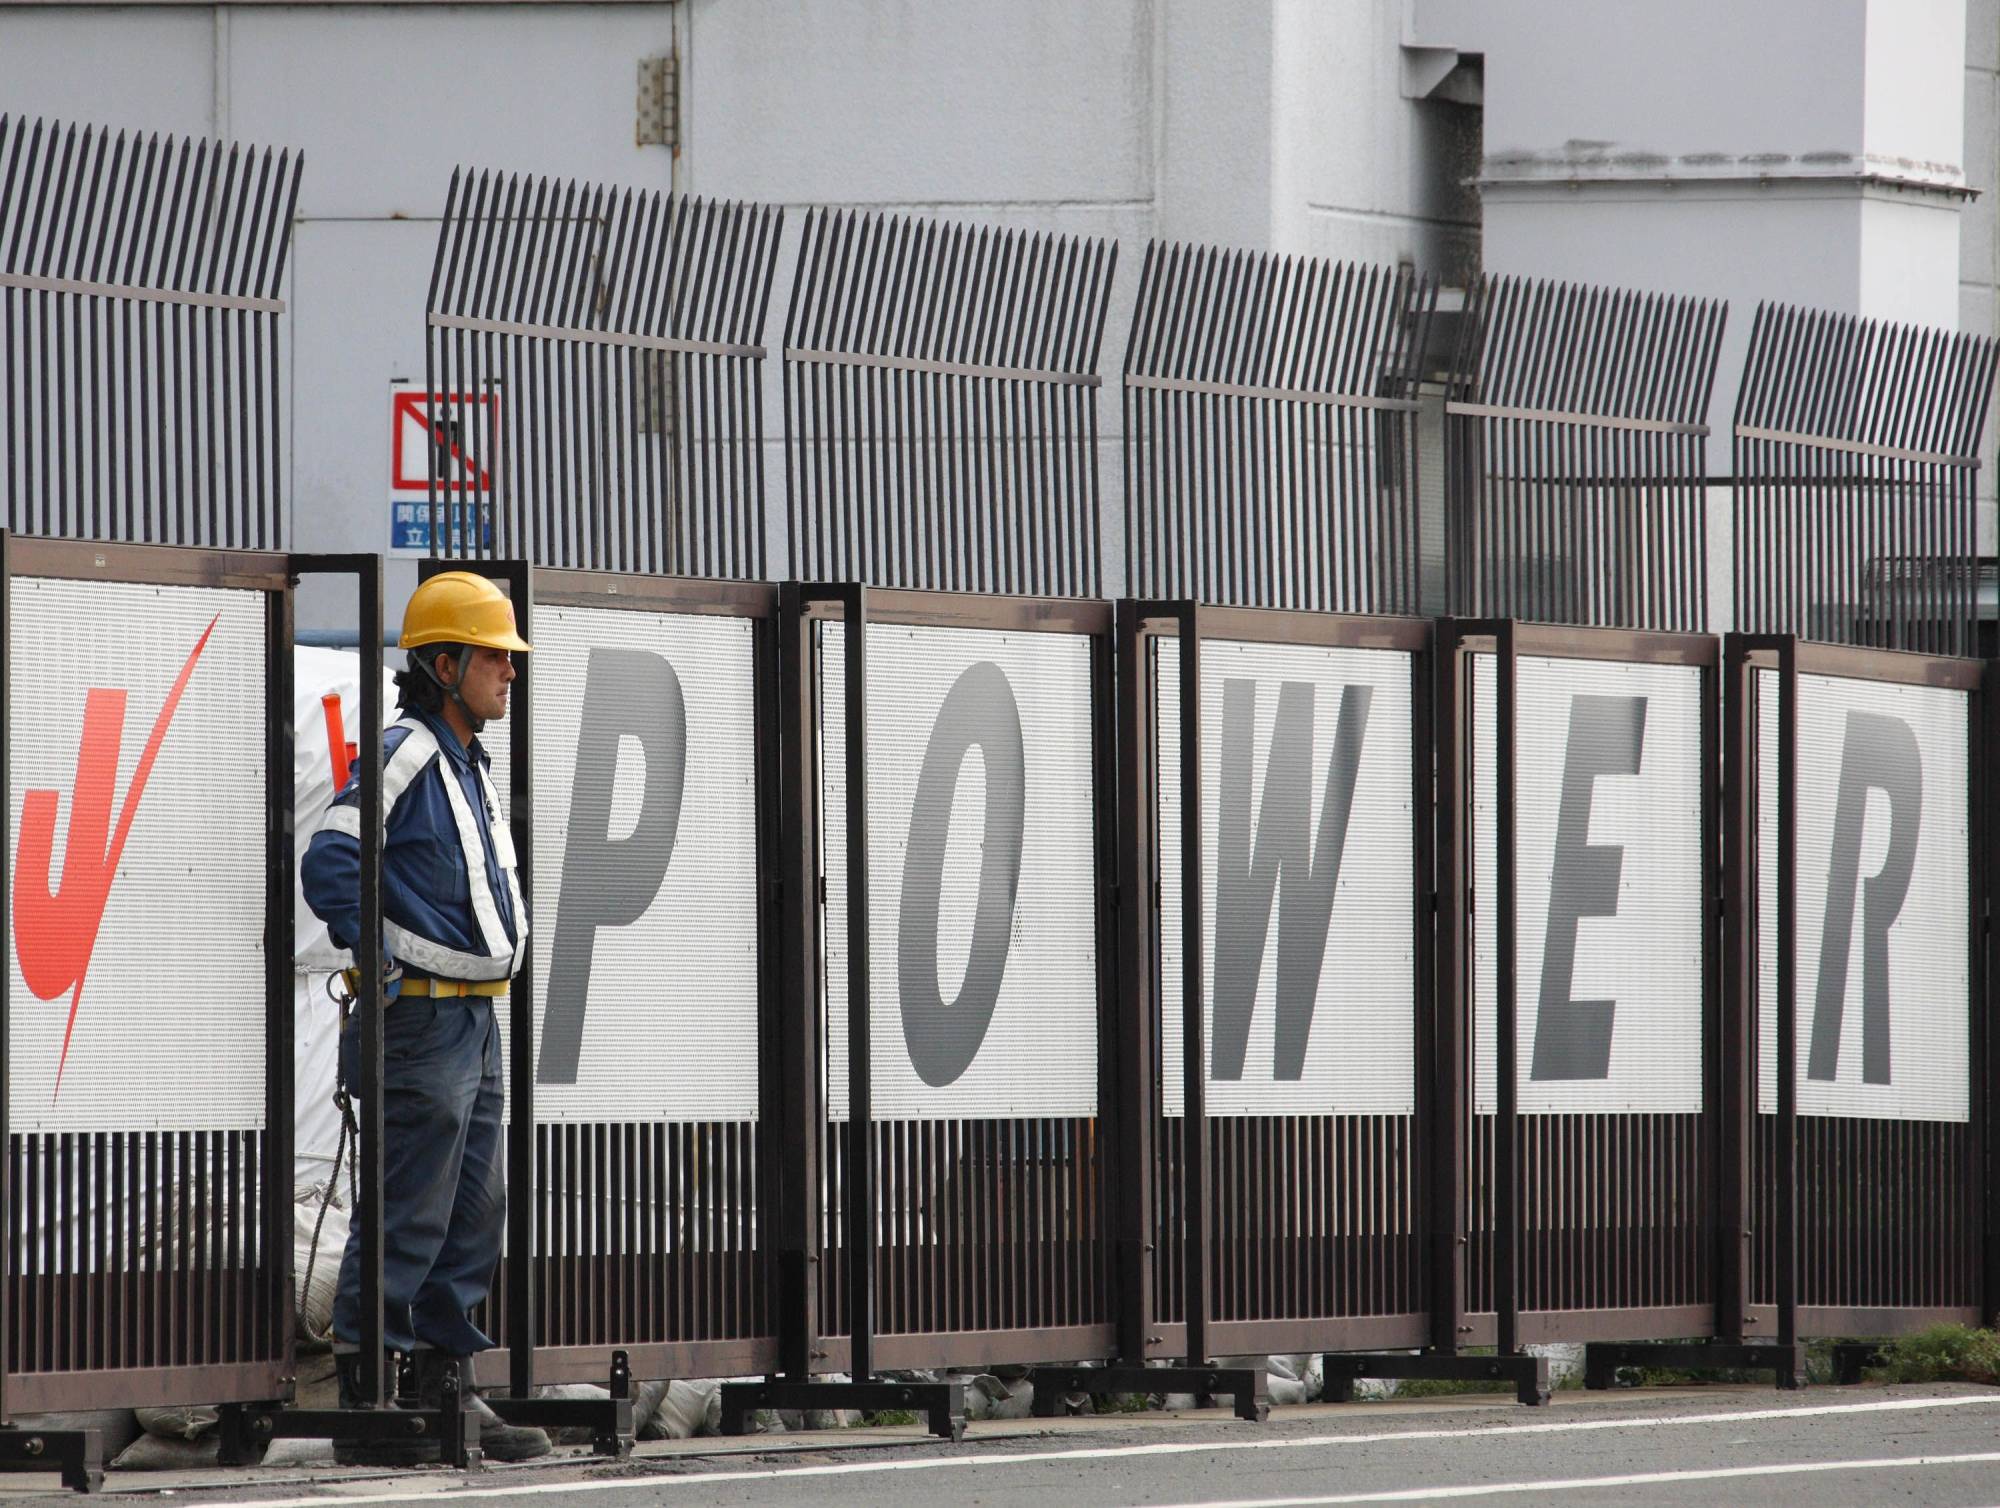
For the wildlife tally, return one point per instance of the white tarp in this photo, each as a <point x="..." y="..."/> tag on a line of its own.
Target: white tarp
<point x="316" y="1021"/>
<point x="1308" y="879"/>
<point x="1608" y="886"/>
<point x="982" y="869"/>
<point x="138" y="831"/>
<point x="1883" y="857"/>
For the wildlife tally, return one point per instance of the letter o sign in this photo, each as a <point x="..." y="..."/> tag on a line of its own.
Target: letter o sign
<point x="943" y="1038"/>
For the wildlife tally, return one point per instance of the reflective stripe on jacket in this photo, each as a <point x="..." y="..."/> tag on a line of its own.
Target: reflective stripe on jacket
<point x="451" y="894"/>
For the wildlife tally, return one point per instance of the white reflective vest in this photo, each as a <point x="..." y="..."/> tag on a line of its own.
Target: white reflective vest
<point x="416" y="753"/>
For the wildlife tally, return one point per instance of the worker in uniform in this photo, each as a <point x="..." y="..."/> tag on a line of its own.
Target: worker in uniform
<point x="454" y="929"/>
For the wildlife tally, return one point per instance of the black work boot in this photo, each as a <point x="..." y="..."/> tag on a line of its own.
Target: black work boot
<point x="417" y="1450"/>
<point x="498" y="1440"/>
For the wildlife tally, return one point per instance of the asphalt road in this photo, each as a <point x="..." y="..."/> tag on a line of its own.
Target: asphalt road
<point x="1829" y="1448"/>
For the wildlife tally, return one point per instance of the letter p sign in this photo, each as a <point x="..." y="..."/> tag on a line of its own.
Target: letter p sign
<point x="611" y="881"/>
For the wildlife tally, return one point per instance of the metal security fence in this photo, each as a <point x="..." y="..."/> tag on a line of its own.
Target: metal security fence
<point x="1289" y="1109"/>
<point x="941" y="406"/>
<point x="642" y="1090"/>
<point x="148" y="1248"/>
<point x="1576" y="430"/>
<point x="1856" y="448"/>
<point x="1869" y="1210"/>
<point x="1588" y="996"/>
<point x="595" y="377"/>
<point x="1271" y="431"/>
<point x="964" y="1217"/>
<point x="140" y="372"/>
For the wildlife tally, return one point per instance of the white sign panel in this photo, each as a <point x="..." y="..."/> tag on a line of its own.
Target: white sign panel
<point x="1883" y="973"/>
<point x="137" y="820"/>
<point x="645" y="887"/>
<point x="982" y="869"/>
<point x="1308" y="887"/>
<point x="1608" y="886"/>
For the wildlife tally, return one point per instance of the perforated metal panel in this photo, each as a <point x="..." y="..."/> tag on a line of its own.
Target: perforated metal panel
<point x="148" y="1015"/>
<point x="645" y="895"/>
<point x="1306" y="845"/>
<point x="982" y="865"/>
<point x="1883" y="851"/>
<point x="1608" y="784"/>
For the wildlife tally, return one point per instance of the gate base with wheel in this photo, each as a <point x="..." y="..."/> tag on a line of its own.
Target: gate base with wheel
<point x="248" y="1429"/>
<point x="942" y="1403"/>
<point x="1246" y="1386"/>
<point x="1602" y="1359"/>
<point x="77" y="1453"/>
<point x="1528" y="1374"/>
<point x="608" y="1419"/>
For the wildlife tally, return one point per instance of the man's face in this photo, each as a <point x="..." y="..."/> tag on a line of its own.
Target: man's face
<point x="487" y="676"/>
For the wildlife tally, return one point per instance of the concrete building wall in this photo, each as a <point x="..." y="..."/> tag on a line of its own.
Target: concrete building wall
<point x="1978" y="245"/>
<point x="1281" y="124"/>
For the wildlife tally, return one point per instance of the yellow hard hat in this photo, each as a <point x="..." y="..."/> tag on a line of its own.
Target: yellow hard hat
<point x="459" y="607"/>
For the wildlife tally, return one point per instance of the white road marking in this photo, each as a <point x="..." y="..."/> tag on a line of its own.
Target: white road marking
<point x="434" y="1486"/>
<point x="1577" y="1484"/>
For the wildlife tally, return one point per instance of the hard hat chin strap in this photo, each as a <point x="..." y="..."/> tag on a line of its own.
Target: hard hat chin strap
<point x="427" y="663"/>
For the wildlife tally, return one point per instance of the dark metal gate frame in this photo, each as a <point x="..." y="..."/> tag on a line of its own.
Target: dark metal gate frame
<point x="1610" y="1332"/>
<point x="610" y="1419"/>
<point x="530" y="1359"/>
<point x="1791" y="657"/>
<point x="1198" y="1336"/>
<point x="75" y="1452"/>
<point x="803" y="1350"/>
<point x="247" y="1428"/>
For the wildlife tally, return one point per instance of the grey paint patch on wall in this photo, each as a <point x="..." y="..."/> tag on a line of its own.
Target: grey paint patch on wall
<point x="607" y="882"/>
<point x="1879" y="753"/>
<point x="944" y="1037"/>
<point x="1607" y="736"/>
<point x="1250" y="864"/>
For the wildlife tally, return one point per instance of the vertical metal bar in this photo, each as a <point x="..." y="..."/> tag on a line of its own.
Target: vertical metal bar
<point x="860" y="1233"/>
<point x="1788" y="1011"/>
<point x="1983" y="727"/>
<point x="523" y="1323"/>
<point x="1195" y="1211"/>
<point x="1132" y="1106"/>
<point x="368" y="961"/>
<point x="1732" y="1110"/>
<point x="1449" y="1004"/>
<point x="1410" y="1161"/>
<point x="273" y="1322"/>
<point x="1506" y="1064"/>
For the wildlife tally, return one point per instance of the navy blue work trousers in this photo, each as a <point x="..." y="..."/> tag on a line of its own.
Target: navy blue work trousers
<point x="444" y="1195"/>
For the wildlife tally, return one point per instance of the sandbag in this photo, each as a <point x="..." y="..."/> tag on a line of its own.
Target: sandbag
<point x="187" y="1422"/>
<point x="990" y="1397"/>
<point x="160" y="1453"/>
<point x="687" y="1409"/>
<point x="1292" y="1379"/>
<point x="1565" y="1360"/>
<point x="316" y="1300"/>
<point x="574" y="1434"/>
<point x="646" y="1398"/>
<point x="299" y="1453"/>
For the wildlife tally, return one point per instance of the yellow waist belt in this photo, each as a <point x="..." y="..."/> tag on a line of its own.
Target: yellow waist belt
<point x="441" y="989"/>
<point x="450" y="989"/>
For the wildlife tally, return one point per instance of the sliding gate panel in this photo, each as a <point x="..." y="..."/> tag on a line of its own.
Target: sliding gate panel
<point x="1888" y="1173"/>
<point x="986" y="756"/>
<point x="1613" y="970"/>
<point x="1314" y="958"/>
<point x="148" y="998"/>
<point x="650" y="714"/>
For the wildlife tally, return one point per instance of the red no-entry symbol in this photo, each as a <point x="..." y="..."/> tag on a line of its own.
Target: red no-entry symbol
<point x="446" y="435"/>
